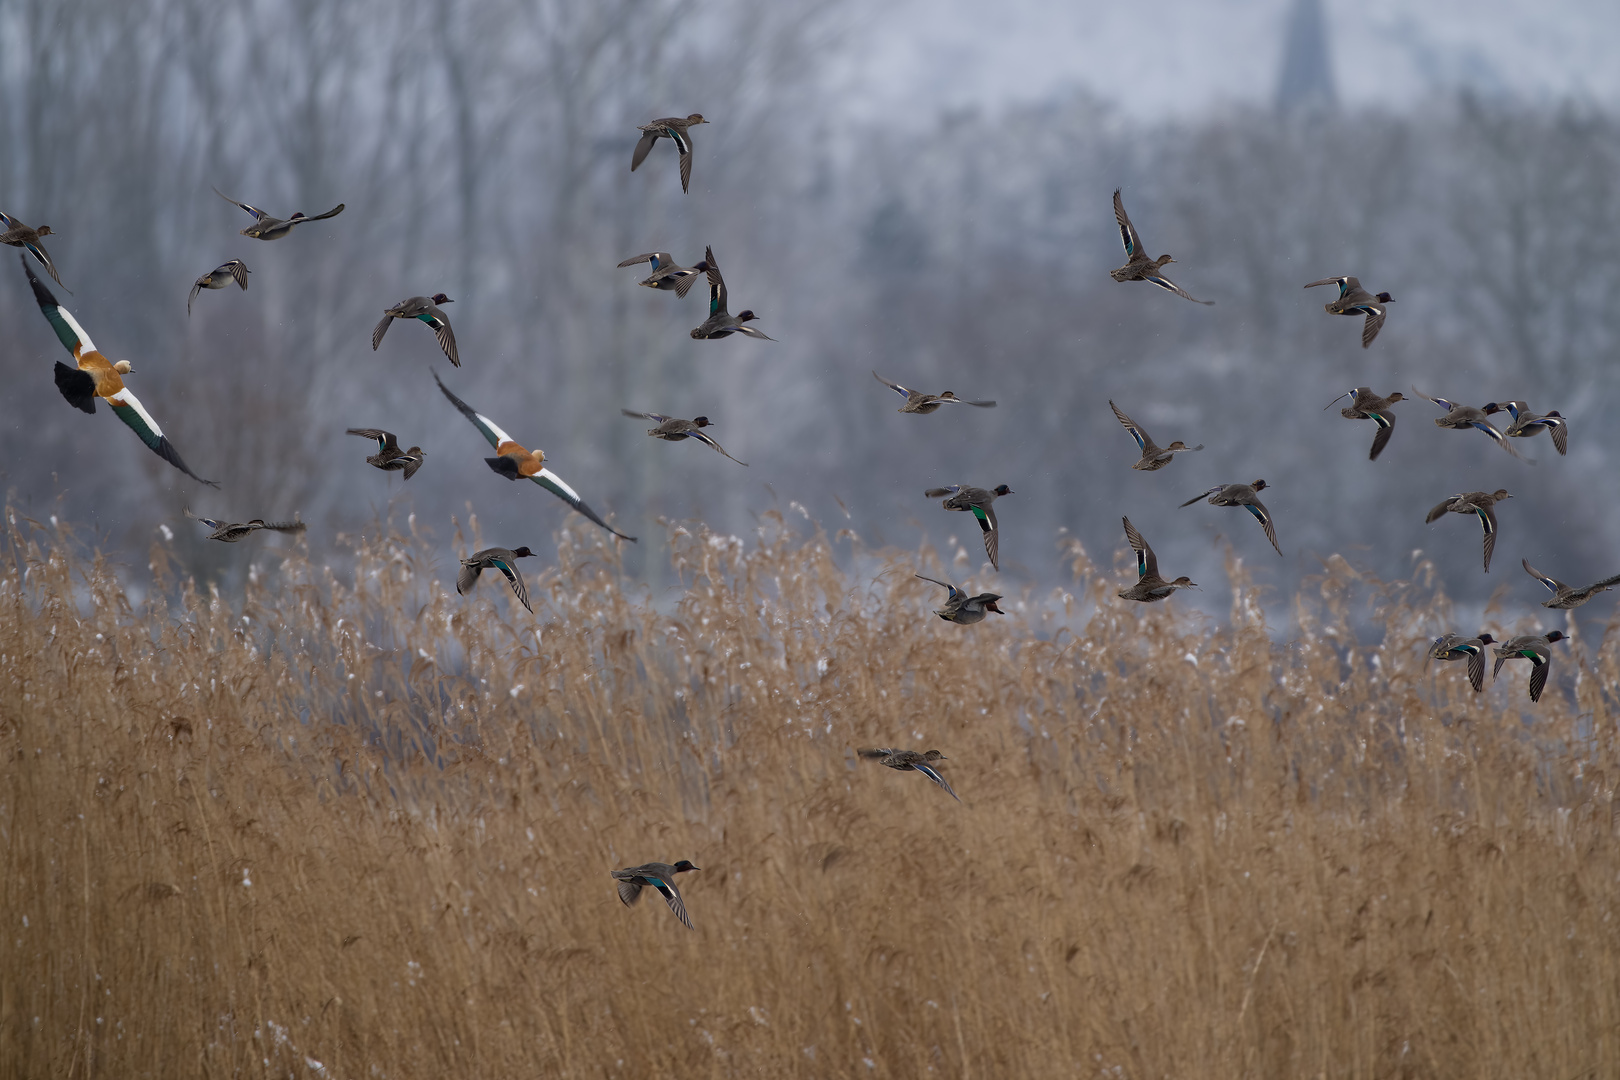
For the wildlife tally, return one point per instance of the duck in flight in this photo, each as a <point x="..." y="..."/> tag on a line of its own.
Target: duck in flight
<point x="1534" y="648"/>
<point x="1149" y="585"/>
<point x="1456" y="647"/>
<point x="666" y="274"/>
<point x="1567" y="596"/>
<point x="1366" y="405"/>
<point x="964" y="609"/>
<point x="919" y="402"/>
<point x="96" y="376"/>
<point x="14" y="233"/>
<point x="515" y="462"/>
<point x="721" y="323"/>
<point x="229" y="532"/>
<point x="389" y="457"/>
<point x="1154" y="456"/>
<point x="265" y="227"/>
<point x="910" y="760"/>
<point x="1246" y="496"/>
<point x="495" y="558"/>
<point x="219" y="277"/>
<point x="1354" y="300"/>
<point x="1138" y="267"/>
<point x="424" y="308"/>
<point x="1479" y="503"/>
<point x="980" y="502"/>
<point x="655" y="875"/>
<point x="671" y="429"/>
<point x="1526" y="423"/>
<point x="673" y="128"/>
<point x="1462" y="417"/>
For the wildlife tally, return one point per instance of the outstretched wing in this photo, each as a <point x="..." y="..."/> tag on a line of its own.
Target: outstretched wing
<point x="1146" y="562"/>
<point x="446" y="336"/>
<point x="707" y="441"/>
<point x="717" y="284"/>
<point x="896" y="387"/>
<point x="68" y="330"/>
<point x="254" y="210"/>
<point x="1386" y="428"/>
<point x="515" y="579"/>
<point x="1165" y="283"/>
<point x="1487" y="521"/>
<point x="483" y="423"/>
<point x="657" y="418"/>
<point x="643" y="146"/>
<point x="1127" y="231"/>
<point x="1538" y="674"/>
<point x="952" y="589"/>
<point x="672" y="896"/>
<point x="1374" y="323"/>
<point x="1142" y="438"/>
<point x="1264" y="518"/>
<point x="130" y="411"/>
<point x="1553" y="584"/>
<point x="932" y="774"/>
<point x="986" y="516"/>
<point x="239" y="272"/>
<point x="558" y="487"/>
<point x="386" y="440"/>
<point x="657" y="258"/>
<point x="380" y="330"/>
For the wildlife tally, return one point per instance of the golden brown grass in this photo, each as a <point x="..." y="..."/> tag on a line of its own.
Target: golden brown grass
<point x="364" y="830"/>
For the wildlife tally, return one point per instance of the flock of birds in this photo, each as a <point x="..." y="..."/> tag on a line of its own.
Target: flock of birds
<point x="93" y="376"/>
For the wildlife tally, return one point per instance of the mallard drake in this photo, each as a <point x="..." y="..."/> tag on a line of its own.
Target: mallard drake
<point x="1138" y="266"/>
<point x="720" y="323"/>
<point x="14" y="233"/>
<point x="1149" y="586"/>
<point x="910" y="760"/>
<point x="1533" y="648"/>
<point x="919" y="402"/>
<point x="230" y="532"/>
<point x="425" y="309"/>
<point x="96" y="376"/>
<point x="1243" y="495"/>
<point x="1479" y="503"/>
<point x="389" y="457"/>
<point x="1526" y="423"/>
<point x="1366" y="405"/>
<point x="265" y="227"/>
<point x="219" y="277"/>
<point x="1455" y="647"/>
<point x="675" y="130"/>
<point x="496" y="558"/>
<point x="1154" y="456"/>
<point x="672" y="430"/>
<point x="515" y="462"/>
<point x="1462" y="417"/>
<point x="1565" y="596"/>
<point x="666" y="275"/>
<point x="962" y="608"/>
<point x="656" y="875"/>
<point x="1354" y="300"/>
<point x="980" y="502"/>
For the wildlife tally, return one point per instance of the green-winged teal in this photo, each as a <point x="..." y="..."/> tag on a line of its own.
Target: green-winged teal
<point x="919" y="402"/>
<point x="96" y="376"/>
<point x="962" y="608"/>
<point x="389" y="457"/>
<point x="1354" y="300"/>
<point x="495" y="558"/>
<point x="1154" y="456"/>
<point x="673" y="128"/>
<point x="666" y="274"/>
<point x="1366" y="405"/>
<point x="720" y="322"/>
<point x="656" y="875"/>
<point x="1479" y="503"/>
<point x="516" y="462"/>
<point x="671" y="429"/>
<point x="907" y="760"/>
<point x="1565" y="596"/>
<point x="1531" y="647"/>
<point x="1138" y="266"/>
<point x="14" y="233"/>
<point x="424" y="308"/>
<point x="230" y="532"/>
<point x="1246" y="496"/>
<point x="1526" y="423"/>
<point x="1462" y="417"/>
<point x="219" y="277"/>
<point x="1455" y="647"/>
<point x="1149" y="586"/>
<point x="265" y="227"/>
<point x="980" y="502"/>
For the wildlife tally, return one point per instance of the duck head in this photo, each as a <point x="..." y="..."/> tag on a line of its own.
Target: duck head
<point x="43" y="230"/>
<point x="990" y="604"/>
<point x="521" y="553"/>
<point x="703" y="421"/>
<point x="696" y="118"/>
<point x="701" y="266"/>
<point x="122" y="367"/>
<point x="684" y="865"/>
<point x="746" y="316"/>
<point x="1259" y="485"/>
<point x="1396" y="396"/>
<point x="1500" y="494"/>
<point x="1486" y="639"/>
<point x="1491" y="408"/>
<point x="1162" y="259"/>
<point x="934" y="755"/>
<point x="1556" y="635"/>
<point x="1003" y="489"/>
<point x="1184" y="582"/>
<point x="440" y="298"/>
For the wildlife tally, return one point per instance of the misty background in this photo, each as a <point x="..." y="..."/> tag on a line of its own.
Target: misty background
<point x="923" y="189"/>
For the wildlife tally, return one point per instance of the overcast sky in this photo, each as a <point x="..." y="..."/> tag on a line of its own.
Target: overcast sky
<point x="1182" y="57"/>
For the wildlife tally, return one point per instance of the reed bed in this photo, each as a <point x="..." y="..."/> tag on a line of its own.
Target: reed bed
<point x="353" y="825"/>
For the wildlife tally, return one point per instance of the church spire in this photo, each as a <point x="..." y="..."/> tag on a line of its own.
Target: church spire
<point x="1305" y="80"/>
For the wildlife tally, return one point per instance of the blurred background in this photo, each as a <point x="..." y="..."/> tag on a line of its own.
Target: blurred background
<point x="919" y="188"/>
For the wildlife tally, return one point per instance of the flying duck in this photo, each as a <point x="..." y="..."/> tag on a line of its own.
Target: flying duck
<point x="962" y="608"/>
<point x="673" y="128"/>
<point x="1149" y="585"/>
<point x="495" y="558"/>
<point x="1154" y="456"/>
<point x="1138" y="267"/>
<point x="1479" y="503"/>
<point x="1366" y="405"/>
<point x="423" y="308"/>
<point x="389" y="457"/>
<point x="265" y="227"/>
<point x="230" y="532"/>
<point x="219" y="277"/>
<point x="908" y="760"/>
<point x="919" y="402"/>
<point x="655" y="875"/>
<point x="672" y="430"/>
<point x="980" y="502"/>
<point x="1244" y="495"/>
<point x="720" y="323"/>
<point x="1354" y="300"/>
<point x="14" y="233"/>
<point x="666" y="274"/>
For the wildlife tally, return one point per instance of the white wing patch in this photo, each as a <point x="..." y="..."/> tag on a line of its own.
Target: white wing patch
<point x="555" y="479"/>
<point x="125" y="397"/>
<point x="500" y="436"/>
<point x="85" y="344"/>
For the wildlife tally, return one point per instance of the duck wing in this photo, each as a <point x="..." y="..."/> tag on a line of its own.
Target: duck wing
<point x="1261" y="515"/>
<point x="1203" y="495"/>
<point x="441" y="330"/>
<point x="1553" y="584"/>
<point x="515" y="579"/>
<point x="1559" y="432"/>
<point x="933" y="774"/>
<point x="381" y="329"/>
<point x="1386" y="428"/>
<point x="657" y="258"/>
<point x="1374" y="323"/>
<point x="1127" y="231"/>
<point x="130" y="410"/>
<point x="708" y="441"/>
<point x="1440" y="510"/>
<point x="334" y="212"/>
<point x="644" y="146"/>
<point x="896" y="387"/>
<point x="1143" y="439"/>
<point x="257" y="214"/>
<point x="1541" y="665"/>
<point x="1165" y="283"/>
<point x="1341" y="282"/>
<point x="68" y="331"/>
<point x="1487" y="521"/>
<point x="1146" y="562"/>
<point x="986" y="516"/>
<point x="672" y="896"/>
<point x="558" y="487"/>
<point x="386" y="440"/>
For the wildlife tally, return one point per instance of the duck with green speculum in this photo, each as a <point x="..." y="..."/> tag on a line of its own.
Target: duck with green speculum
<point x="962" y="609"/>
<point x="1526" y="423"/>
<point x="1246" y="496"/>
<point x="389" y="457"/>
<point x="1154" y="457"/>
<point x="1534" y="648"/>
<point x="721" y="323"/>
<point x="655" y="875"/>
<point x="1149" y="587"/>
<point x="1461" y="417"/>
<point x="1457" y="647"/>
<point x="1567" y="596"/>
<point x="1354" y="300"/>
<point x="980" y="502"/>
<point x="1138" y="266"/>
<point x="495" y="558"/>
<point x="667" y="274"/>
<point x="910" y="760"/>
<point x="1366" y="405"/>
<point x="673" y="128"/>
<point x="1479" y="503"/>
<point x="424" y="309"/>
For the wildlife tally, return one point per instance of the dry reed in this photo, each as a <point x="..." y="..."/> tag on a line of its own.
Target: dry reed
<point x="364" y="829"/>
